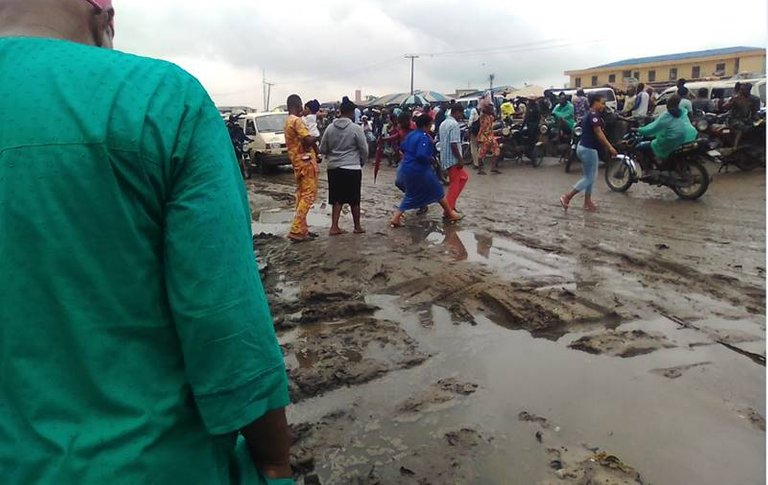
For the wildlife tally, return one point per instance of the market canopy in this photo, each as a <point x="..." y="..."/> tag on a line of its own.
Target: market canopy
<point x="527" y="92"/>
<point x="401" y="98"/>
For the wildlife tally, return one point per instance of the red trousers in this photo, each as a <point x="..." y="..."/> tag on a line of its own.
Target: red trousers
<point x="458" y="177"/>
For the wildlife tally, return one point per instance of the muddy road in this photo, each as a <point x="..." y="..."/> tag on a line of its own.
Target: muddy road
<point x="525" y="345"/>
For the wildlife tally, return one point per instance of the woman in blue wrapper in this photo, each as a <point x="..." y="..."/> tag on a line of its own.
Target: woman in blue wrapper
<point x="417" y="177"/>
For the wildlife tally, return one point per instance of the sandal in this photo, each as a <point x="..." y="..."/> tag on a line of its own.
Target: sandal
<point x="454" y="220"/>
<point x="564" y="202"/>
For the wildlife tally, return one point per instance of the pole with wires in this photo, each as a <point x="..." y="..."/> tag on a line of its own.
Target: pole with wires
<point x="413" y="59"/>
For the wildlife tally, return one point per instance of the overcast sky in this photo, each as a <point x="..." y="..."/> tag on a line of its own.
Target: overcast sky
<point x="325" y="49"/>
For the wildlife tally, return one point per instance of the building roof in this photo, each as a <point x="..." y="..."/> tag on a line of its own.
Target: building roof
<point x="678" y="57"/>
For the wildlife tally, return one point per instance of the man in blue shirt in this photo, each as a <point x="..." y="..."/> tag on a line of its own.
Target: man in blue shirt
<point x="451" y="157"/>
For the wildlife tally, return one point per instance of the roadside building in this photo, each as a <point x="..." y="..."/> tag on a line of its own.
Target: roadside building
<point x="662" y="71"/>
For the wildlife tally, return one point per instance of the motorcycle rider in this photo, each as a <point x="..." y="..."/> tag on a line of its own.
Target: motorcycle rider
<point x="629" y="101"/>
<point x="236" y="134"/>
<point x="507" y="110"/>
<point x="564" y="114"/>
<point x="702" y="102"/>
<point x="671" y="130"/>
<point x="642" y="102"/>
<point x="531" y="124"/>
<point x="744" y="107"/>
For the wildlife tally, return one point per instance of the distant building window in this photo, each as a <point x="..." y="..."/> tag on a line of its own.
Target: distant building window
<point x="673" y="74"/>
<point x="594" y="80"/>
<point x="578" y="82"/>
<point x="720" y="69"/>
<point x="636" y="75"/>
<point x="612" y="78"/>
<point x="626" y="74"/>
<point x="696" y="72"/>
<point x="651" y="76"/>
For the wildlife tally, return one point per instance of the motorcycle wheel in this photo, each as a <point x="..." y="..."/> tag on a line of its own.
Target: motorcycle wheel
<point x="618" y="176"/>
<point x="537" y="156"/>
<point x="245" y="166"/>
<point x="261" y="168"/>
<point x="699" y="184"/>
<point x="749" y="159"/>
<point x="571" y="158"/>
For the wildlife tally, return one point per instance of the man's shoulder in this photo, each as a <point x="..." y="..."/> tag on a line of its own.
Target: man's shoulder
<point x="136" y="65"/>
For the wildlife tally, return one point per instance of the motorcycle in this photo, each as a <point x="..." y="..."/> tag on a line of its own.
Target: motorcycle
<point x="243" y="158"/>
<point x="750" y="153"/>
<point x="517" y="141"/>
<point x="555" y="139"/>
<point x="575" y="139"/>
<point x="683" y="172"/>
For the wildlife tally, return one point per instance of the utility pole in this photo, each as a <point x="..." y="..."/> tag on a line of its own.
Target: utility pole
<point x="413" y="59"/>
<point x="269" y="94"/>
<point x="491" y="78"/>
<point x="264" y="88"/>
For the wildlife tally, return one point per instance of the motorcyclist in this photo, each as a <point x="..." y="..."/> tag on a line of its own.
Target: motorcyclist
<point x="703" y="102"/>
<point x="507" y="110"/>
<point x="564" y="114"/>
<point x="531" y="124"/>
<point x="744" y="108"/>
<point x="671" y="130"/>
<point x="236" y="134"/>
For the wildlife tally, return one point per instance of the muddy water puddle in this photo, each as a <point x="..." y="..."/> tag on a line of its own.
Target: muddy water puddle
<point x="277" y="222"/>
<point x="508" y="258"/>
<point x="665" y="423"/>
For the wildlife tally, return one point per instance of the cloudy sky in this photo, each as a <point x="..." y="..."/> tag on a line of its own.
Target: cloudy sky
<point x="328" y="48"/>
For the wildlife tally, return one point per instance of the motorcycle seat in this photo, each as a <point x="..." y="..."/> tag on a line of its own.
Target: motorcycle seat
<point x="689" y="147"/>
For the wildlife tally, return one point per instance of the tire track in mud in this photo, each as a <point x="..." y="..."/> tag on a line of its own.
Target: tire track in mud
<point x="656" y="269"/>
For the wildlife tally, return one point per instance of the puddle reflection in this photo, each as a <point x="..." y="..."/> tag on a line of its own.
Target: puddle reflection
<point x="509" y="258"/>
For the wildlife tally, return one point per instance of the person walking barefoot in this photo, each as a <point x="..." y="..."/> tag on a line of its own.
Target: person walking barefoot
<point x="346" y="149"/>
<point x="591" y="139"/>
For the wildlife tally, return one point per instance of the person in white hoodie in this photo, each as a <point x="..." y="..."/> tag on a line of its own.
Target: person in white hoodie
<point x="345" y="150"/>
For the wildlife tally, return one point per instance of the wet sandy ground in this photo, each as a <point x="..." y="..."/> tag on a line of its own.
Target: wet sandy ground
<point x="525" y="345"/>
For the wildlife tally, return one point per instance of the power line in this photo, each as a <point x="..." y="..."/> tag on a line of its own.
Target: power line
<point x="510" y="49"/>
<point x="481" y="50"/>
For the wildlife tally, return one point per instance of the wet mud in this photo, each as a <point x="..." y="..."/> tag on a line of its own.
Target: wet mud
<point x="524" y="345"/>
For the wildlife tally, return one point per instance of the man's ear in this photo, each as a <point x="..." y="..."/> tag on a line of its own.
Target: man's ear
<point x="104" y="29"/>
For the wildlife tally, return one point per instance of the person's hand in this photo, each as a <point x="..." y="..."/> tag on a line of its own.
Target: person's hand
<point x="613" y="152"/>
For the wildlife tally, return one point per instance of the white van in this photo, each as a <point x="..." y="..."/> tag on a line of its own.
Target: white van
<point x="715" y="89"/>
<point x="266" y="132"/>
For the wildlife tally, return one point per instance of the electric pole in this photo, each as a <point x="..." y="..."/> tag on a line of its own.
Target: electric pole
<point x="413" y="59"/>
<point x="269" y="94"/>
<point x="264" y="88"/>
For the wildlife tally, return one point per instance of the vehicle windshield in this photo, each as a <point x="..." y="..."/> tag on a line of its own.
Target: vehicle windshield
<point x="271" y="123"/>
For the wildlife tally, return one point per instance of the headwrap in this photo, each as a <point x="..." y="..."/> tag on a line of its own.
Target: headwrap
<point x="347" y="106"/>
